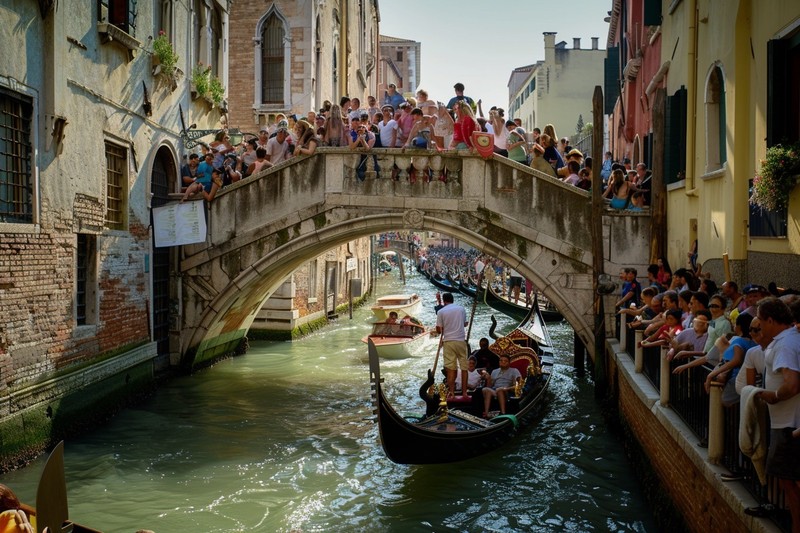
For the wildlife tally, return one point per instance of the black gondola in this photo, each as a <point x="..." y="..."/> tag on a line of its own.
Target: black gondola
<point x="516" y="311"/>
<point x="456" y="434"/>
<point x="442" y="283"/>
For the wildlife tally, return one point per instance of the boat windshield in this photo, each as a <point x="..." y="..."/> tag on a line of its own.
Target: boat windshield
<point x="397" y="329"/>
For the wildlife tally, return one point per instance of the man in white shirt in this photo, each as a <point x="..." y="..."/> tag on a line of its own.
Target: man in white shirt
<point x="278" y="147"/>
<point x="782" y="393"/>
<point x="450" y="323"/>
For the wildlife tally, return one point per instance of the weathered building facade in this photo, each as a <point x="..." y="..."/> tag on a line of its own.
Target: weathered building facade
<point x="556" y="90"/>
<point x="400" y="63"/>
<point x="90" y="142"/>
<point x="731" y="94"/>
<point x="289" y="57"/>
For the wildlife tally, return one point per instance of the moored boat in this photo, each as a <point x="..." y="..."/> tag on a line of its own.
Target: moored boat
<point x="455" y="434"/>
<point x="396" y="340"/>
<point x="515" y="310"/>
<point x="402" y="304"/>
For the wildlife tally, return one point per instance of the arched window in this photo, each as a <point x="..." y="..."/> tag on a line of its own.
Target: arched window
<point x="716" y="146"/>
<point x="273" y="60"/>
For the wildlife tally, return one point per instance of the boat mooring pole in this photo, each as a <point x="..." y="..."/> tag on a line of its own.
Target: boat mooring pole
<point x="600" y="381"/>
<point x="402" y="268"/>
<point x="579" y="359"/>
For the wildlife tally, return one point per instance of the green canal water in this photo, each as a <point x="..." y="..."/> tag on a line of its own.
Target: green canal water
<point x="283" y="439"/>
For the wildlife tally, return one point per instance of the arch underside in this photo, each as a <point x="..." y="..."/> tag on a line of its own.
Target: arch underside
<point x="563" y="275"/>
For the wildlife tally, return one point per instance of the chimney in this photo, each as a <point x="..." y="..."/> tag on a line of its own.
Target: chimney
<point x="576" y="43"/>
<point x="594" y="42"/>
<point x="549" y="47"/>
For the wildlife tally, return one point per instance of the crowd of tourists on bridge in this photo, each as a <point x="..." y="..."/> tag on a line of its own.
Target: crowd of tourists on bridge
<point x="751" y="339"/>
<point x="406" y="122"/>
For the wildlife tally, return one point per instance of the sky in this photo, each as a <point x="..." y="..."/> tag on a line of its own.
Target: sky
<point x="479" y="43"/>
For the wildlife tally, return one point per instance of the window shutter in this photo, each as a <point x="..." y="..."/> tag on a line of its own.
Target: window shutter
<point x="652" y="12"/>
<point x="777" y="85"/>
<point x="611" y="69"/>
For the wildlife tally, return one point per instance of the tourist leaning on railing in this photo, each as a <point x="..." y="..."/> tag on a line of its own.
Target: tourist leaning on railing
<point x="782" y="393"/>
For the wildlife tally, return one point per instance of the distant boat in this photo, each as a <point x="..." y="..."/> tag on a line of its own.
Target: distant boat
<point x="517" y="311"/>
<point x="443" y="284"/>
<point x="402" y="304"/>
<point x="396" y="341"/>
<point x="456" y="434"/>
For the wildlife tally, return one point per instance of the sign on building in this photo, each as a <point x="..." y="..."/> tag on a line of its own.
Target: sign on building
<point x="180" y="223"/>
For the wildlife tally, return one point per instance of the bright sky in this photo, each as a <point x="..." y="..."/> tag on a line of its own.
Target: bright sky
<point x="479" y="43"/>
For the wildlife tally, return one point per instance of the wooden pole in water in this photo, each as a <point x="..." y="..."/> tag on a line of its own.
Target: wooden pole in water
<point x="600" y="382"/>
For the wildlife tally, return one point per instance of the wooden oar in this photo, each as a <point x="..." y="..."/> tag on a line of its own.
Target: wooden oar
<point x="431" y="390"/>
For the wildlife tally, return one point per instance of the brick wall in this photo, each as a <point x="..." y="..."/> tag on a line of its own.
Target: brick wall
<point x="37" y="278"/>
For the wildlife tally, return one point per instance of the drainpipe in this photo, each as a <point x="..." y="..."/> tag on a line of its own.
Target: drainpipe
<point x="691" y="135"/>
<point x="344" y="73"/>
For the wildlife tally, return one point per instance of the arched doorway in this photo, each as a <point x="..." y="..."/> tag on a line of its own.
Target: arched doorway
<point x="162" y="182"/>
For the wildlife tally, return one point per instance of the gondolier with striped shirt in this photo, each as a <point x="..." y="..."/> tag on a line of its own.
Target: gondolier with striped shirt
<point x="450" y="323"/>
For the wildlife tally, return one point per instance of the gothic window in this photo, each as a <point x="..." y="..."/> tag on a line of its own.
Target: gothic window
<point x="273" y="62"/>
<point x="716" y="147"/>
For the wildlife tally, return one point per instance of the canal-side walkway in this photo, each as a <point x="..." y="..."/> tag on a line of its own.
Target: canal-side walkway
<point x="679" y="458"/>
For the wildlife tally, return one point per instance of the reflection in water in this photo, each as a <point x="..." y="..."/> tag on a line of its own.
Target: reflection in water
<point x="283" y="438"/>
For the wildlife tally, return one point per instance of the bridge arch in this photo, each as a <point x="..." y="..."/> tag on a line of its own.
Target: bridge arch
<point x="489" y="207"/>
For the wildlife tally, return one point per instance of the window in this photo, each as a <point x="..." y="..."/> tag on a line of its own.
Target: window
<point x="120" y="13"/>
<point x="611" y="70"/>
<point x="783" y="99"/>
<point x="16" y="175"/>
<point x="272" y="60"/>
<point x="675" y="137"/>
<point x="217" y="56"/>
<point x="86" y="280"/>
<point x="716" y="128"/>
<point x="399" y="55"/>
<point x="765" y="223"/>
<point x="163" y="19"/>
<point x="116" y="186"/>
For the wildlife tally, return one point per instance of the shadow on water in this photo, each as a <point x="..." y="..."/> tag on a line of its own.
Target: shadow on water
<point x="284" y="438"/>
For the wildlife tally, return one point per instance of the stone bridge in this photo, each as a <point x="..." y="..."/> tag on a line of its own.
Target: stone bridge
<point x="263" y="228"/>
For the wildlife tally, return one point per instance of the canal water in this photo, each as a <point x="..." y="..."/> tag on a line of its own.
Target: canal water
<point x="283" y="439"/>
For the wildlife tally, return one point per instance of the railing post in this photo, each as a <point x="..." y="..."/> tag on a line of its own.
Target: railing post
<point x="716" y="424"/>
<point x="623" y="332"/>
<point x="664" y="377"/>
<point x="638" y="353"/>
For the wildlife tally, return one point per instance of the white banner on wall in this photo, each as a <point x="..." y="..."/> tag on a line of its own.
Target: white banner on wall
<point x="179" y="223"/>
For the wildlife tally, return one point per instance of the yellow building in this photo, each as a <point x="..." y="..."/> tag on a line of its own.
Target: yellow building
<point x="735" y="66"/>
<point x="557" y="90"/>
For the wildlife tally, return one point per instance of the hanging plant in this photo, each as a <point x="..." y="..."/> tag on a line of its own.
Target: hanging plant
<point x="164" y="57"/>
<point x="776" y="179"/>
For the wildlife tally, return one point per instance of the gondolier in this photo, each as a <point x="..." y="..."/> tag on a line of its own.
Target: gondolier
<point x="450" y="323"/>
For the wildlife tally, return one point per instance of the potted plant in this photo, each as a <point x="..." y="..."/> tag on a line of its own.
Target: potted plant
<point x="778" y="175"/>
<point x="201" y="80"/>
<point x="216" y="90"/>
<point x="165" y="60"/>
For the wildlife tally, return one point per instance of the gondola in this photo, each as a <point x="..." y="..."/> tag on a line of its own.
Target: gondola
<point x="448" y="434"/>
<point x="443" y="284"/>
<point x="516" y="311"/>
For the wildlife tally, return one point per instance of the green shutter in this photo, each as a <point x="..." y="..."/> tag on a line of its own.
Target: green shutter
<point x="611" y="69"/>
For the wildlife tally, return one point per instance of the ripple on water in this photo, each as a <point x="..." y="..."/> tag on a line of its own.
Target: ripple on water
<point x="284" y="437"/>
